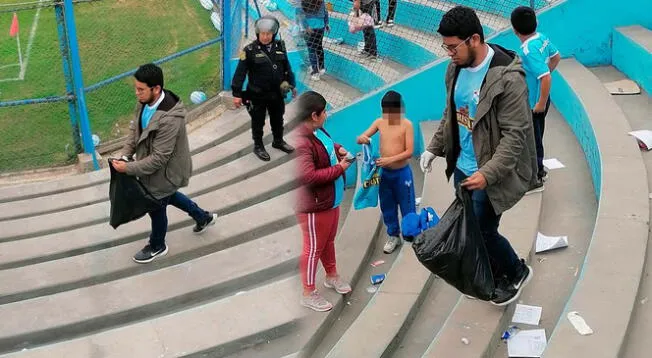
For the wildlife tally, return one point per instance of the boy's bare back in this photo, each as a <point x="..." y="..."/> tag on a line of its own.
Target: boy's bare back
<point x="393" y="139"/>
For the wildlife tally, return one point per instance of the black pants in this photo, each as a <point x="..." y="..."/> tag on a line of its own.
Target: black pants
<point x="314" y="41"/>
<point x="258" y="108"/>
<point x="390" y="14"/>
<point x="539" y="124"/>
<point x="369" y="33"/>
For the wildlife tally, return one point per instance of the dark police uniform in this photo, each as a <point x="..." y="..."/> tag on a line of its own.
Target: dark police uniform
<point x="266" y="67"/>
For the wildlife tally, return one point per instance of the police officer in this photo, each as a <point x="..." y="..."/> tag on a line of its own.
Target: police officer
<point x="270" y="79"/>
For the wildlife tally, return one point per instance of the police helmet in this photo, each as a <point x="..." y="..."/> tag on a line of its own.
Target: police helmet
<point x="267" y="24"/>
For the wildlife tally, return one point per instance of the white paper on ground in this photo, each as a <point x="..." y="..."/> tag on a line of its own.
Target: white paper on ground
<point x="644" y="136"/>
<point x="546" y="243"/>
<point x="530" y="343"/>
<point x="553" y="163"/>
<point x="623" y="87"/>
<point x="527" y="314"/>
<point x="579" y="323"/>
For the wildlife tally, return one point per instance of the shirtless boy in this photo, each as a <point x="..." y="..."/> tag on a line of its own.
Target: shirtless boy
<point x="396" y="147"/>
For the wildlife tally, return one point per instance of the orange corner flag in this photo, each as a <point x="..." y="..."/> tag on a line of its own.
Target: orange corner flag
<point x="13" y="31"/>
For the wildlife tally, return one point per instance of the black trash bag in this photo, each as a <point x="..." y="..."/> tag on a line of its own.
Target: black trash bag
<point x="455" y="250"/>
<point x="130" y="200"/>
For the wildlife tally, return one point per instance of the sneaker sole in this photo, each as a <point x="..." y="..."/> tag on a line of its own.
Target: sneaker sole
<point x="152" y="258"/>
<point x="327" y="285"/>
<point x="325" y="309"/>
<point x="537" y="190"/>
<point x="518" y="291"/>
<point x="212" y="223"/>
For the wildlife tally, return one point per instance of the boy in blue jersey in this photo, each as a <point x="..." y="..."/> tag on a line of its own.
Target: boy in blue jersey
<point x="540" y="57"/>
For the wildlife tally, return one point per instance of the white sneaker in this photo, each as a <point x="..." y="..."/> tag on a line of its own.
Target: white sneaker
<point x="316" y="302"/>
<point x="392" y="243"/>
<point x="390" y="23"/>
<point x="338" y="284"/>
<point x="322" y="71"/>
<point x="315" y="77"/>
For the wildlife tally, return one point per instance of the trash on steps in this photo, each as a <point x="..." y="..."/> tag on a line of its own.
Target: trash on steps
<point x="527" y="314"/>
<point x="465" y="341"/>
<point x="547" y="243"/>
<point x="553" y="163"/>
<point x="644" y="138"/>
<point x="377" y="263"/>
<point x="623" y="87"/>
<point x="376" y="279"/>
<point x="509" y="333"/>
<point x="530" y="343"/>
<point x="578" y="322"/>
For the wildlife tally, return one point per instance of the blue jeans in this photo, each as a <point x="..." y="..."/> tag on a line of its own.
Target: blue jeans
<point x="160" y="217"/>
<point x="504" y="260"/>
<point x="396" y="190"/>
<point x="314" y="41"/>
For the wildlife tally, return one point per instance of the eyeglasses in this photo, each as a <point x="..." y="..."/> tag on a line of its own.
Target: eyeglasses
<point x="453" y="50"/>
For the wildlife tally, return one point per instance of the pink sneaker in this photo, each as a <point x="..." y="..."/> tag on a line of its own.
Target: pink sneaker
<point x="340" y="286"/>
<point x="316" y="302"/>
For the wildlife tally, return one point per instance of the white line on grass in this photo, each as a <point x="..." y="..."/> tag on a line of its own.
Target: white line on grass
<point x="12" y="65"/>
<point x="30" y="42"/>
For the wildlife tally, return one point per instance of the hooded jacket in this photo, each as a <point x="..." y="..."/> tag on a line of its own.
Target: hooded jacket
<point x="503" y="137"/>
<point x="161" y="150"/>
<point x="315" y="173"/>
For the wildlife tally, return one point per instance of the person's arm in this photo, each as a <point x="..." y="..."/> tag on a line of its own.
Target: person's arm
<point x="162" y="148"/>
<point x="289" y="74"/>
<point x="514" y="117"/>
<point x="366" y="135"/>
<point x="544" y="92"/>
<point x="554" y="61"/>
<point x="307" y="171"/>
<point x="239" y="75"/>
<point x="537" y="67"/>
<point x="409" y="145"/>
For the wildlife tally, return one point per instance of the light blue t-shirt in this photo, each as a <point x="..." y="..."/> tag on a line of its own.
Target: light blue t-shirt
<point x="148" y="111"/>
<point x="535" y="53"/>
<point x="330" y="148"/>
<point x="467" y="97"/>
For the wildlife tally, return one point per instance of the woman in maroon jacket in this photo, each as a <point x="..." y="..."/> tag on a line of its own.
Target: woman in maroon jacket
<point x="321" y="166"/>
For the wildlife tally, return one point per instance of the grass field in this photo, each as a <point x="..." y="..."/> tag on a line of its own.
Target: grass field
<point x="114" y="36"/>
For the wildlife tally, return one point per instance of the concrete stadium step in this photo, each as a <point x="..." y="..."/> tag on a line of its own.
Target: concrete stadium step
<point x="569" y="208"/>
<point x="221" y="129"/>
<point x="95" y="213"/>
<point x="196" y="331"/>
<point x="623" y="212"/>
<point x="475" y="319"/>
<point x="115" y="262"/>
<point x="637" y="109"/>
<point x="399" y="296"/>
<point x="221" y="180"/>
<point x="70" y="314"/>
<point x="632" y="53"/>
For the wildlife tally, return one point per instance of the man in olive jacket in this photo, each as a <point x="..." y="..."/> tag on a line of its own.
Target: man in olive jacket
<point x="159" y="146"/>
<point x="487" y="138"/>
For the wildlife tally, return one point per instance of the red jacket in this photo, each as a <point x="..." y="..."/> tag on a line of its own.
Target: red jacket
<point x="315" y="173"/>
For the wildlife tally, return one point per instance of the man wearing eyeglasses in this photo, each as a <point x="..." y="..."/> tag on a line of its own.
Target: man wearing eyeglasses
<point x="158" y="155"/>
<point x="487" y="138"/>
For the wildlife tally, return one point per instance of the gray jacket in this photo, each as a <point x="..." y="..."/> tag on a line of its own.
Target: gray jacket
<point x="503" y="137"/>
<point x="162" y="153"/>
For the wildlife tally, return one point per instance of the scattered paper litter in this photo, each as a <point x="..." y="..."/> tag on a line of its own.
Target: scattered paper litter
<point x="527" y="314"/>
<point x="530" y="343"/>
<point x="372" y="289"/>
<point x="644" y="137"/>
<point x="377" y="263"/>
<point x="465" y="341"/>
<point x="546" y="243"/>
<point x="623" y="87"/>
<point x="579" y="323"/>
<point x="553" y="163"/>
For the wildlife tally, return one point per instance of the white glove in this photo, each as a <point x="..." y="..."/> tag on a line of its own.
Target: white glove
<point x="426" y="161"/>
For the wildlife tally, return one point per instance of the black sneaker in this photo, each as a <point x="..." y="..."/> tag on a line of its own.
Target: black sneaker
<point x="261" y="153"/>
<point x="536" y="188"/>
<point x="147" y="254"/>
<point x="283" y="146"/>
<point x="505" y="294"/>
<point x="543" y="175"/>
<point x="199" y="228"/>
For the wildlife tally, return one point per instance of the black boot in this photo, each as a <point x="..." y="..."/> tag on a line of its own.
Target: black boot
<point x="261" y="153"/>
<point x="282" y="146"/>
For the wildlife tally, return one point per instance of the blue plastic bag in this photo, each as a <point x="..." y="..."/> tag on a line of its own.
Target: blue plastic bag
<point x="367" y="194"/>
<point x="414" y="224"/>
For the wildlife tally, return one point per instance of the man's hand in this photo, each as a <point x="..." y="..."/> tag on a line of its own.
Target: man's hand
<point x="119" y="166"/>
<point x="384" y="162"/>
<point x="363" y="139"/>
<point x="237" y="102"/>
<point x="539" y="108"/>
<point x="477" y="181"/>
<point x="294" y="93"/>
<point x="426" y="161"/>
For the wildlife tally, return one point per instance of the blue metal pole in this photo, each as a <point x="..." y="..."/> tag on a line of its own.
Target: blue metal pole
<point x="78" y="82"/>
<point x="227" y="43"/>
<point x="65" y="60"/>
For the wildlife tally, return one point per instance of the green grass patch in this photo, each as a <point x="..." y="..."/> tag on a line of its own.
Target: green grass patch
<point x="114" y="36"/>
